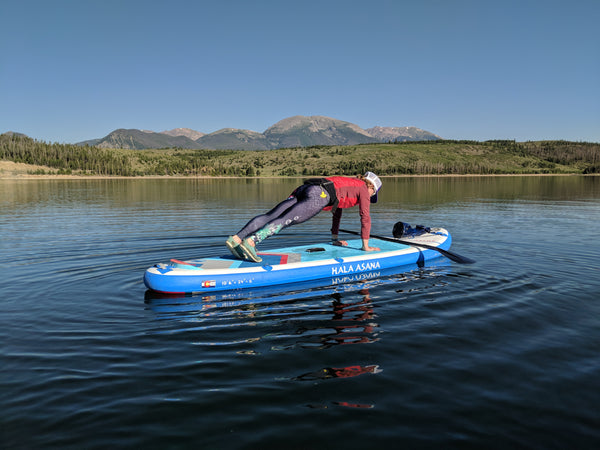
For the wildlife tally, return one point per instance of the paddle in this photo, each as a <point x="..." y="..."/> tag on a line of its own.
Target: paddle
<point x="452" y="256"/>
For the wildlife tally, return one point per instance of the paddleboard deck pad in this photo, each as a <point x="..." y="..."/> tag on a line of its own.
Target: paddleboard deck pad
<point x="291" y="265"/>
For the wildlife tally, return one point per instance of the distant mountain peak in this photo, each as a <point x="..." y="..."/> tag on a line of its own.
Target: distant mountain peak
<point x="386" y="134"/>
<point x="187" y="132"/>
<point x="312" y="123"/>
<point x="304" y="131"/>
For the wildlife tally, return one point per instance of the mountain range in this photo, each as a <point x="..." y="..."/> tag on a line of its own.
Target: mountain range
<point x="296" y="131"/>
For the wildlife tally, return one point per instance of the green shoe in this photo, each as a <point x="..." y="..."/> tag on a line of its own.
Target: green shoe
<point x="249" y="251"/>
<point x="234" y="248"/>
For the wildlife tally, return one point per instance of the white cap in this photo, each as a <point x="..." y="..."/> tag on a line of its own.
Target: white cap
<point x="374" y="179"/>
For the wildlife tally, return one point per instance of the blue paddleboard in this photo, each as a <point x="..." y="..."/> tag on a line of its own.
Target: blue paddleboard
<point x="291" y="265"/>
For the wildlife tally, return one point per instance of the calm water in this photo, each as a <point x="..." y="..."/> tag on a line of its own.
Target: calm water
<point x="505" y="352"/>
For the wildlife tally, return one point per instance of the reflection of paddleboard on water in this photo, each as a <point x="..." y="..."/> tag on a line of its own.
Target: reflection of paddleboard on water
<point x="298" y="264"/>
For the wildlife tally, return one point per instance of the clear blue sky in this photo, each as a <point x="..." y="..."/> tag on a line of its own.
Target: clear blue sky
<point x="72" y="70"/>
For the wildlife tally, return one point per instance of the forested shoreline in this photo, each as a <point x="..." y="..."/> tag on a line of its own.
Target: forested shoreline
<point x="441" y="157"/>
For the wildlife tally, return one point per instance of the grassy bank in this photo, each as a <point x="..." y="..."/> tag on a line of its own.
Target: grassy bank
<point x="411" y="158"/>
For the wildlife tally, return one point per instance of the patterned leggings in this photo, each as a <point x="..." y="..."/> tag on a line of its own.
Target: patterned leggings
<point x="304" y="203"/>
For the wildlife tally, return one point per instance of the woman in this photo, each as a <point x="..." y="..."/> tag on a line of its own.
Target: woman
<point x="317" y="194"/>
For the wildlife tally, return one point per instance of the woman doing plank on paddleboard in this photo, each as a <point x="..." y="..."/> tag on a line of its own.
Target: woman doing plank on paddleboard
<point x="317" y="194"/>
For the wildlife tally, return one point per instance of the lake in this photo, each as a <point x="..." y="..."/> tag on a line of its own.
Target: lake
<point x="502" y="353"/>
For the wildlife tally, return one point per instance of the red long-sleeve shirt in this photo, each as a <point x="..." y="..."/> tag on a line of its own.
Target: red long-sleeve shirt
<point x="351" y="192"/>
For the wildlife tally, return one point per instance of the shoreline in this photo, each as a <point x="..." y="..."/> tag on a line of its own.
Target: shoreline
<point x="18" y="171"/>
<point x="178" y="177"/>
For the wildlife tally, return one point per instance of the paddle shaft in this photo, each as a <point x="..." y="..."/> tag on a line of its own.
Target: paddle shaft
<point x="452" y="256"/>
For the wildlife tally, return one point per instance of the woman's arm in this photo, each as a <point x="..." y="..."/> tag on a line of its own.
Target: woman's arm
<point x="364" y="210"/>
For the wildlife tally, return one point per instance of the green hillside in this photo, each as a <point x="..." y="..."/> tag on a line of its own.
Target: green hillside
<point x="409" y="158"/>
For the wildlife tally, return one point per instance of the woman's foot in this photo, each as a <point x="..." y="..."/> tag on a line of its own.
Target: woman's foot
<point x="233" y="245"/>
<point x="249" y="250"/>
